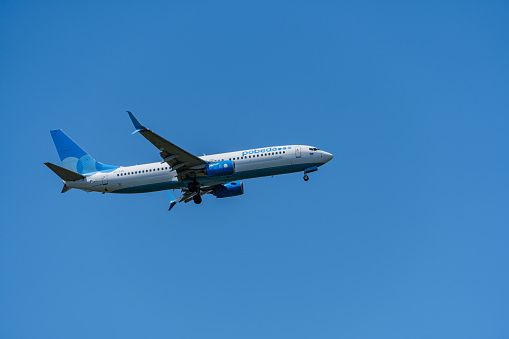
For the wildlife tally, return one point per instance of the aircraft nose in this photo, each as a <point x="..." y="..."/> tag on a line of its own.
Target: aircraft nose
<point x="327" y="156"/>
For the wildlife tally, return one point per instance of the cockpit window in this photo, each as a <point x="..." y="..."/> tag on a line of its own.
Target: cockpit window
<point x="314" y="149"/>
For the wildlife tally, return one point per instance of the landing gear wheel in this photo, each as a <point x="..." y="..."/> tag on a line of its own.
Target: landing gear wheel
<point x="306" y="178"/>
<point x="197" y="199"/>
<point x="192" y="187"/>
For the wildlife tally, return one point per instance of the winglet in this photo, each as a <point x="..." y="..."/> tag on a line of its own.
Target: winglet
<point x="139" y="127"/>
<point x="173" y="200"/>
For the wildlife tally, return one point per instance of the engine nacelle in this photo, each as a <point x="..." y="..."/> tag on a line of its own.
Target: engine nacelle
<point x="221" y="168"/>
<point x="230" y="189"/>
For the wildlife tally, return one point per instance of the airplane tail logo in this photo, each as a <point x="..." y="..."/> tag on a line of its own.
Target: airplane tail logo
<point x="73" y="157"/>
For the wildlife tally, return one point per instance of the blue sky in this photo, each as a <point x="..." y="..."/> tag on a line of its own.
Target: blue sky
<point x="402" y="235"/>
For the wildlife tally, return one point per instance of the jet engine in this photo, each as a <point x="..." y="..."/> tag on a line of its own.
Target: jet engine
<point x="230" y="189"/>
<point x="220" y="168"/>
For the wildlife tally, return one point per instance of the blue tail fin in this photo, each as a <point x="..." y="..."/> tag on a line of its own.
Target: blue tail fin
<point x="73" y="157"/>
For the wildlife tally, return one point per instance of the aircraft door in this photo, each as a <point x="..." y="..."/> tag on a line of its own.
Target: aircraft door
<point x="104" y="177"/>
<point x="297" y="152"/>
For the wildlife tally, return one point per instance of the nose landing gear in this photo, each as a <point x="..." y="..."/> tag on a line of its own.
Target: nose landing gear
<point x="309" y="170"/>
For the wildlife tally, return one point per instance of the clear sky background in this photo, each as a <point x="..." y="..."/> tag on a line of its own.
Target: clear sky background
<point x="404" y="234"/>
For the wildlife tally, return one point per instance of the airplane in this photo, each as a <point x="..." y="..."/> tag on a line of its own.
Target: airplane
<point x="216" y="174"/>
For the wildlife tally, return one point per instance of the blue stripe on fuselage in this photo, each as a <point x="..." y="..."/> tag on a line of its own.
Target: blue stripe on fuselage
<point x="211" y="181"/>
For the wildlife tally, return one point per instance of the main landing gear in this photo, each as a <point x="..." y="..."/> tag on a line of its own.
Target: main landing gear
<point x="306" y="178"/>
<point x="194" y="187"/>
<point x="197" y="199"/>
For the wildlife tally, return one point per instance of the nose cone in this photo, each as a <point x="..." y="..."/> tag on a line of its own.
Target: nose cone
<point x="327" y="157"/>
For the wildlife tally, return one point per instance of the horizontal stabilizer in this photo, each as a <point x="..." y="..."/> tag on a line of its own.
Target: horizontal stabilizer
<point x="63" y="173"/>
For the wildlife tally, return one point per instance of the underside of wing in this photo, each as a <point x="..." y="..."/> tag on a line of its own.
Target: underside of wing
<point x="187" y="195"/>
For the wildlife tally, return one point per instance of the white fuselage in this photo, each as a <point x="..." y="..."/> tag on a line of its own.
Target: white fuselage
<point x="251" y="163"/>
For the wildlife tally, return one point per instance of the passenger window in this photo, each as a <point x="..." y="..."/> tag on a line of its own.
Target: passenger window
<point x="283" y="151"/>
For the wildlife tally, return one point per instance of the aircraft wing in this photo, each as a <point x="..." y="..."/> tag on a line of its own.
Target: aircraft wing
<point x="180" y="160"/>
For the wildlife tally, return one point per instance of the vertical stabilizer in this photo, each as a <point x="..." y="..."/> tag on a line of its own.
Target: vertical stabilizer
<point x="73" y="157"/>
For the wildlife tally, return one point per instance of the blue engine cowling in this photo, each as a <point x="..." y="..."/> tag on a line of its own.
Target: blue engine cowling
<point x="221" y="168"/>
<point x="230" y="189"/>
